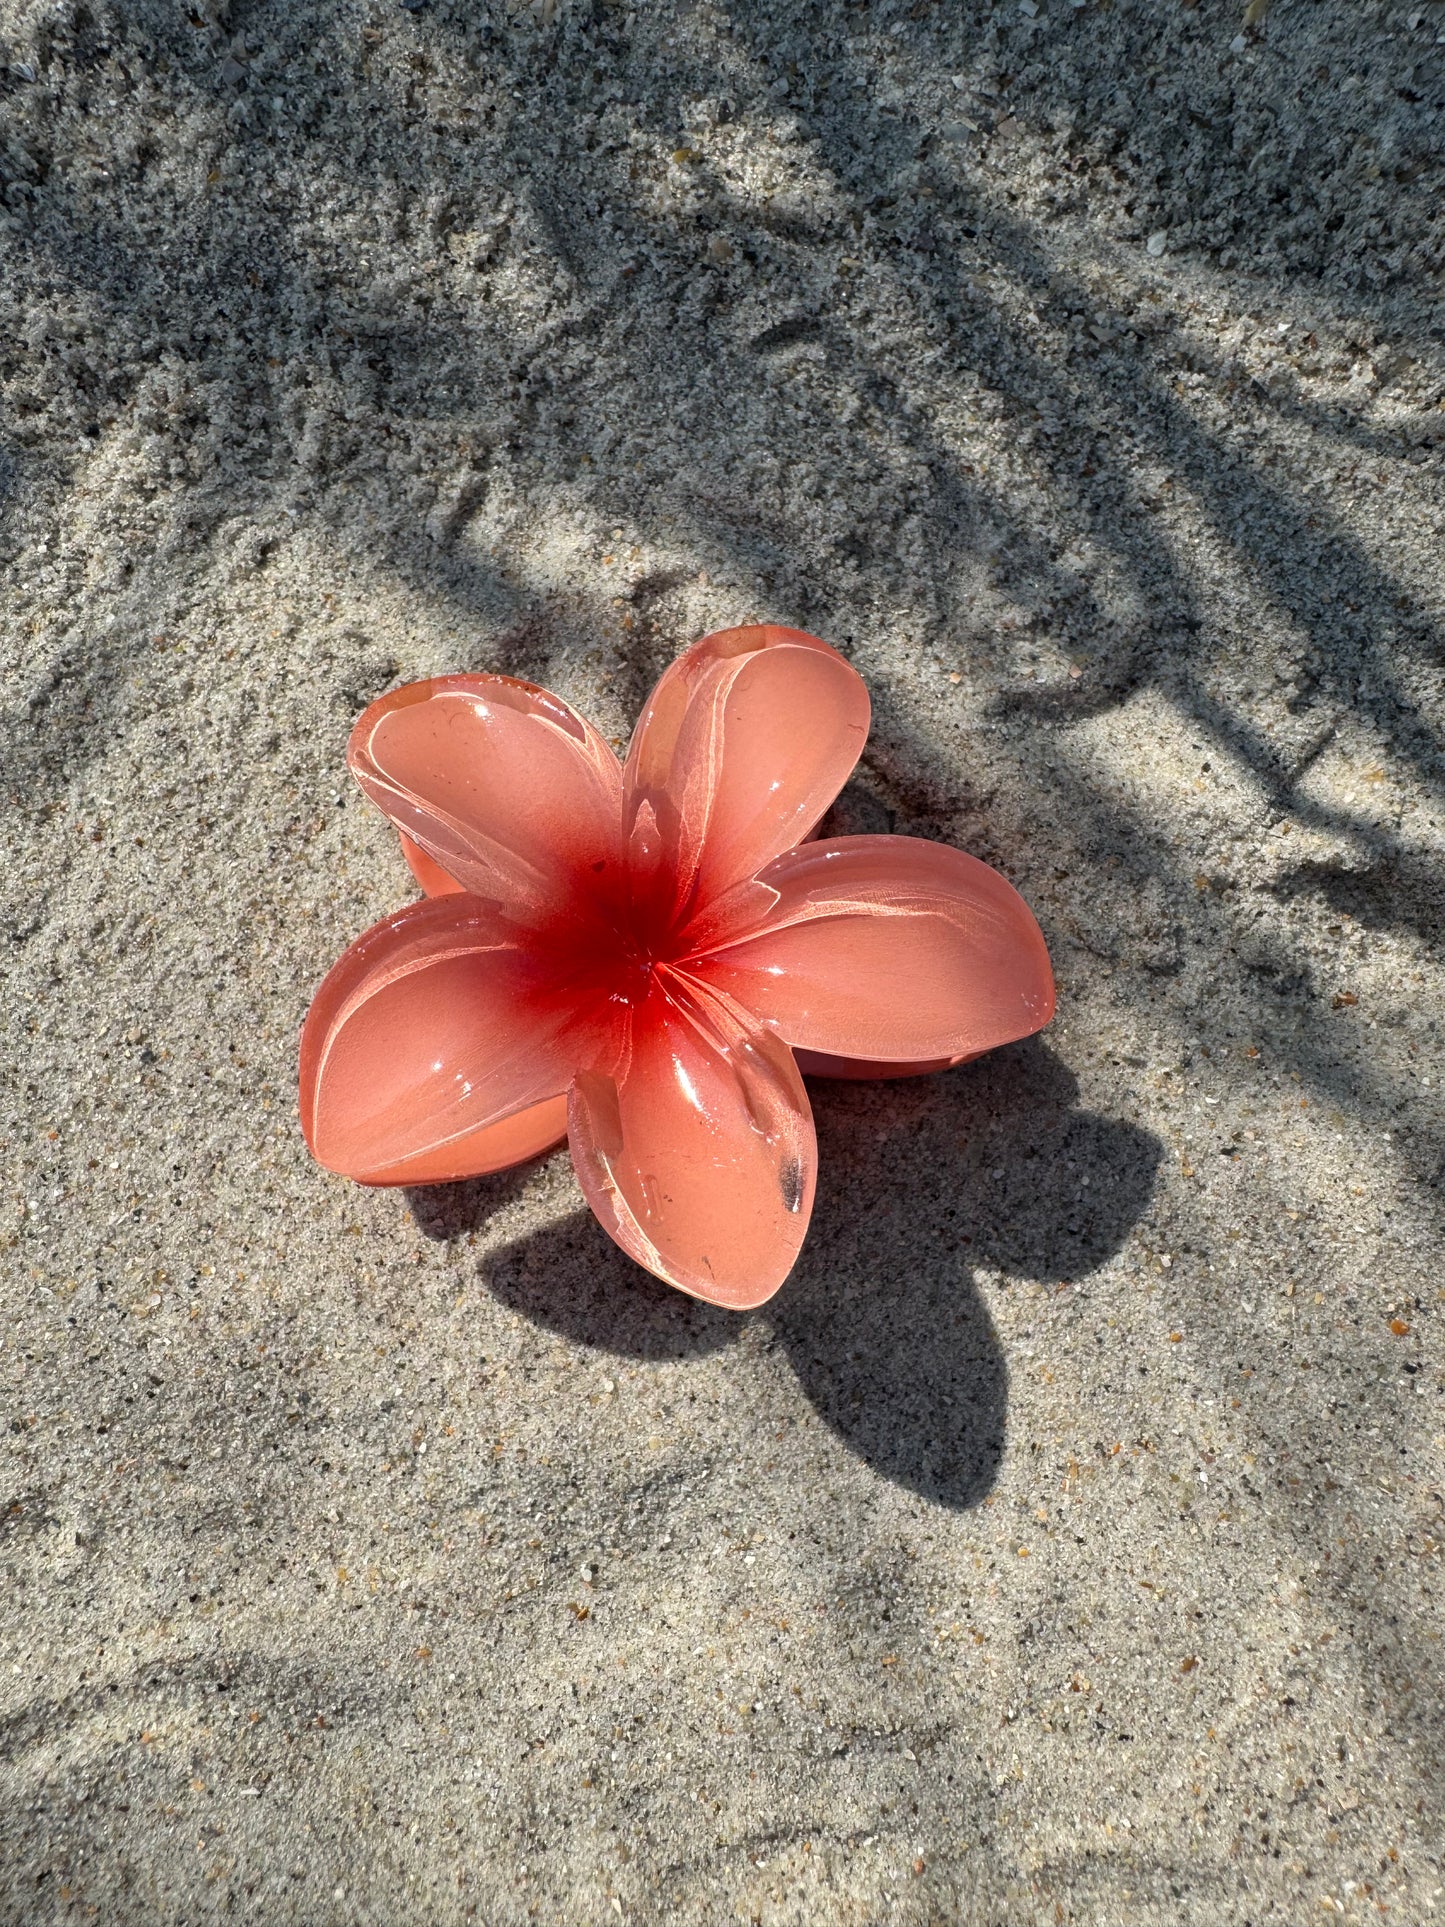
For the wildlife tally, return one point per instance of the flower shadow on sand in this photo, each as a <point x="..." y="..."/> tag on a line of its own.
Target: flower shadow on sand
<point x="922" y="1183"/>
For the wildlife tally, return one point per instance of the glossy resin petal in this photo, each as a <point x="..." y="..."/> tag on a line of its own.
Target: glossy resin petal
<point x="743" y="745"/>
<point x="431" y="876"/>
<point x="440" y="1022"/>
<point x="884" y="948"/>
<point x="817" y="1063"/>
<point x="696" y="1151"/>
<point x="526" y="1134"/>
<point x="500" y="785"/>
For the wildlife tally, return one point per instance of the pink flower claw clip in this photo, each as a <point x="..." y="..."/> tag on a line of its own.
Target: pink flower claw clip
<point x="643" y="958"/>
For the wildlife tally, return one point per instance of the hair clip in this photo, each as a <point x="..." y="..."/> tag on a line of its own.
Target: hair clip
<point x="646" y="957"/>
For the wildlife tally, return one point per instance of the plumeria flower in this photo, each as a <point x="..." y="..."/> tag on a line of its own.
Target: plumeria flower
<point x="644" y="957"/>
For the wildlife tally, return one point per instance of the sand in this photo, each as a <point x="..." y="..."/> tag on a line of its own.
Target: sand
<point x="1063" y="1543"/>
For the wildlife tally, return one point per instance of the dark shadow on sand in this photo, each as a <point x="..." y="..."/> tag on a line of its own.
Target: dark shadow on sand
<point x="922" y="1183"/>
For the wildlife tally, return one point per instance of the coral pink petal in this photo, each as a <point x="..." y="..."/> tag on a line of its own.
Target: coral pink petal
<point x="495" y="1146"/>
<point x="743" y="745"/>
<point x="507" y="790"/>
<point x="441" y="1021"/>
<point x="431" y="876"/>
<point x="818" y="1063"/>
<point x="886" y="948"/>
<point x="697" y="1152"/>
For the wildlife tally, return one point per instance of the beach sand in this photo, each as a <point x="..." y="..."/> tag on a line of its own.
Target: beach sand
<point x="1063" y="1543"/>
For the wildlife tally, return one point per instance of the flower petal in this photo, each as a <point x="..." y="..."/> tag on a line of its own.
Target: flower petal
<point x="506" y="789"/>
<point x="888" y="948"/>
<point x="817" y="1063"/>
<point x="697" y="1152"/>
<point x="441" y="1021"/>
<point x="526" y="1134"/>
<point x="431" y="876"/>
<point x="744" y="743"/>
